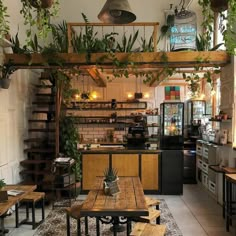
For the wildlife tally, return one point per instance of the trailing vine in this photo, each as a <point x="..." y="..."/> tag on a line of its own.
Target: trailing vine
<point x="4" y="26"/>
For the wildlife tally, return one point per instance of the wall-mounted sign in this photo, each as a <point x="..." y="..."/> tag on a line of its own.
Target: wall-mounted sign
<point x="183" y="33"/>
<point x="172" y="93"/>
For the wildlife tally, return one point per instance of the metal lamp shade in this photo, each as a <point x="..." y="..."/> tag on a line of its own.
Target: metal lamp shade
<point x="116" y="12"/>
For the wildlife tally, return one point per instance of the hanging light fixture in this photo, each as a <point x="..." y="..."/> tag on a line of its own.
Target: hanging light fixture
<point x="116" y="12"/>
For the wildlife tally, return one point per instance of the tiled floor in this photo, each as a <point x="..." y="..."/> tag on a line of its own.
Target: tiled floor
<point x="195" y="212"/>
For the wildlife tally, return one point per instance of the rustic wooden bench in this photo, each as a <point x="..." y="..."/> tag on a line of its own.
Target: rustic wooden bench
<point x="74" y="212"/>
<point x="145" y="229"/>
<point x="30" y="199"/>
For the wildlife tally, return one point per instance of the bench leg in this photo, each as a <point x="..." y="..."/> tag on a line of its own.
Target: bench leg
<point x="43" y="210"/>
<point x="33" y="216"/>
<point x="86" y="225"/>
<point x="78" y="227"/>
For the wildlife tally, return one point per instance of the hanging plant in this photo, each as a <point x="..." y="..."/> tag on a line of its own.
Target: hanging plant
<point x="228" y="17"/>
<point x="219" y="5"/>
<point x="41" y="3"/>
<point x="37" y="17"/>
<point x="4" y="26"/>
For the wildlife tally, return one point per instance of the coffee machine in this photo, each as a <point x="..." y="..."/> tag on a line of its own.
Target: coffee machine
<point x="137" y="136"/>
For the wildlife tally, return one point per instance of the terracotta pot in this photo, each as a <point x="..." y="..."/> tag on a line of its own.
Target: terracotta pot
<point x="219" y="5"/>
<point x="44" y="3"/>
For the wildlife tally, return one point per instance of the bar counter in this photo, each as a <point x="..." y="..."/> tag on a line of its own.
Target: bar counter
<point x="136" y="162"/>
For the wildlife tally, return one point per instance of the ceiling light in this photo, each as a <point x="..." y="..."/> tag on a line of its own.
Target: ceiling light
<point x="116" y="12"/>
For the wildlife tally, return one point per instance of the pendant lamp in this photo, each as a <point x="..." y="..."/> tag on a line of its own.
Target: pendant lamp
<point x="116" y="12"/>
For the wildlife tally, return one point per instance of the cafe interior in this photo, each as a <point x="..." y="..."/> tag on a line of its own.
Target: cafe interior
<point x="117" y="117"/>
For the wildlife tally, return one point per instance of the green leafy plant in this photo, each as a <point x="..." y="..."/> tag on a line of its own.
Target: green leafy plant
<point x="69" y="138"/>
<point x="2" y="183"/>
<point x="60" y="37"/>
<point x="4" y="26"/>
<point x="166" y="29"/>
<point x="110" y="174"/>
<point x="37" y="18"/>
<point x="228" y="31"/>
<point x="127" y="43"/>
<point x="203" y="45"/>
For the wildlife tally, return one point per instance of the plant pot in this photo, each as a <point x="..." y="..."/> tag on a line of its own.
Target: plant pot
<point x="44" y="3"/>
<point x="3" y="196"/>
<point x="111" y="188"/>
<point x="219" y="5"/>
<point x="5" y="83"/>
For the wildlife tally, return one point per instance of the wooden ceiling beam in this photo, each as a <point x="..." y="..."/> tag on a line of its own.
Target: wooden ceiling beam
<point x="145" y="60"/>
<point x="97" y="77"/>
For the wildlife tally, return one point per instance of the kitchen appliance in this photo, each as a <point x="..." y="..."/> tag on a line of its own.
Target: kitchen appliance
<point x="137" y="136"/>
<point x="189" y="162"/>
<point x="171" y="144"/>
<point x="196" y="110"/>
<point x="172" y="125"/>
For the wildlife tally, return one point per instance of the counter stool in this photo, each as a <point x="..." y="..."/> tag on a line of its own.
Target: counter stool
<point x="74" y="212"/>
<point x="30" y="200"/>
<point x="151" y="202"/>
<point x="144" y="229"/>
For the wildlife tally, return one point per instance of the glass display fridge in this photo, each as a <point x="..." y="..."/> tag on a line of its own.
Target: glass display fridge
<point x="172" y="125"/>
<point x="171" y="144"/>
<point x="196" y="110"/>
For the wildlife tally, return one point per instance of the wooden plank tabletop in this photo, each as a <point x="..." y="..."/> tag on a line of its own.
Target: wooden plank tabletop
<point x="231" y="178"/>
<point x="12" y="200"/>
<point x="129" y="202"/>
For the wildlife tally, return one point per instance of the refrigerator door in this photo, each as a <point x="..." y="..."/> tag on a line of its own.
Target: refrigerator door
<point x="172" y="125"/>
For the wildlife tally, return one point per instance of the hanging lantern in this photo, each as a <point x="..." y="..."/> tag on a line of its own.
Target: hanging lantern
<point x="116" y="12"/>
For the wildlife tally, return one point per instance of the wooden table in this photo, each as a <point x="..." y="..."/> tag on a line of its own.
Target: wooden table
<point x="119" y="209"/>
<point x="230" y="200"/>
<point x="12" y="201"/>
<point x="223" y="170"/>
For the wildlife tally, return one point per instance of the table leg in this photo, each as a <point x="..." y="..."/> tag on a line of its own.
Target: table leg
<point x="223" y="194"/>
<point x="228" y="192"/>
<point x="97" y="226"/>
<point x="128" y="226"/>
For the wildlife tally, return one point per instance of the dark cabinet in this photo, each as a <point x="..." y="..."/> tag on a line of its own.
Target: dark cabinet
<point x="172" y="172"/>
<point x="64" y="183"/>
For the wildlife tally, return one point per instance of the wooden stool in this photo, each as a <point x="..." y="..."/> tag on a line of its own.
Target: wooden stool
<point x="151" y="202"/>
<point x="144" y="229"/>
<point x="31" y="199"/>
<point x="153" y="215"/>
<point x="74" y="212"/>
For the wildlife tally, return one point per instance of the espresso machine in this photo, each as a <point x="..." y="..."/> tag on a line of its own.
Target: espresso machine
<point x="137" y="136"/>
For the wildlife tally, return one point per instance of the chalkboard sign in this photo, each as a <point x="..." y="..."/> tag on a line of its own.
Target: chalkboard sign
<point x="183" y="33"/>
